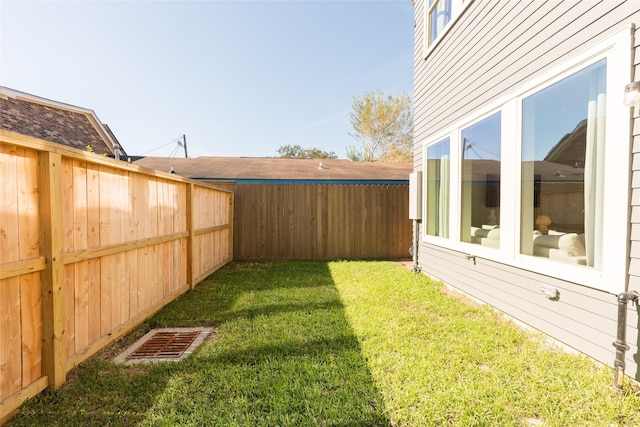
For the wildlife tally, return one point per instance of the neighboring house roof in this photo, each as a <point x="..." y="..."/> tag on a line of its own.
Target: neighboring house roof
<point x="246" y="169"/>
<point x="571" y="147"/>
<point x="54" y="121"/>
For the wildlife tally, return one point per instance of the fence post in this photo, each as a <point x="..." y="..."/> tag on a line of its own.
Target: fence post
<point x="52" y="277"/>
<point x="190" y="238"/>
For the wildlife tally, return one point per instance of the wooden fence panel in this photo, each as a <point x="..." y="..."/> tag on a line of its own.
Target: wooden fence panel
<point x="20" y="294"/>
<point x="89" y="248"/>
<point x="212" y="231"/>
<point x="321" y="221"/>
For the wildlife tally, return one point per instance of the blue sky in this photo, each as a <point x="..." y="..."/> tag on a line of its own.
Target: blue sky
<point x="238" y="78"/>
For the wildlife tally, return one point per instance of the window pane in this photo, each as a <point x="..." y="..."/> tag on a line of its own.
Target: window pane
<point x="437" y="193"/>
<point x="439" y="17"/>
<point x="480" y="204"/>
<point x="563" y="169"/>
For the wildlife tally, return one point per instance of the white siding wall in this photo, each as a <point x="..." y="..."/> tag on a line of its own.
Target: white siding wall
<point x="492" y="50"/>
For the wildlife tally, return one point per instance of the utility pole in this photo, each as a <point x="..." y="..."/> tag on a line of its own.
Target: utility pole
<point x="184" y="144"/>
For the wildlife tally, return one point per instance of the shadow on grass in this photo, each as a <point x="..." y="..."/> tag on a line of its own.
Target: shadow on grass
<point x="283" y="354"/>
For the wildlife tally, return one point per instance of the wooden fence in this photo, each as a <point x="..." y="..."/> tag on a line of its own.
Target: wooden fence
<point x="89" y="248"/>
<point x="321" y="221"/>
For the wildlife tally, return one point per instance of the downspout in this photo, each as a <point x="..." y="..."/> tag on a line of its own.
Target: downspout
<point x="416" y="240"/>
<point x="620" y="343"/>
<point x="621" y="339"/>
<point x="415" y="213"/>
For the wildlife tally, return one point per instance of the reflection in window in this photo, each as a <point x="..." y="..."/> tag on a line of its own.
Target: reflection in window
<point x="437" y="192"/>
<point x="439" y="17"/>
<point x="480" y="203"/>
<point x="563" y="169"/>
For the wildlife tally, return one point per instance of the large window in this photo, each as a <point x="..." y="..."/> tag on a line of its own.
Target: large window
<point x="563" y="137"/>
<point x="539" y="178"/>
<point x="480" y="182"/>
<point x="437" y="189"/>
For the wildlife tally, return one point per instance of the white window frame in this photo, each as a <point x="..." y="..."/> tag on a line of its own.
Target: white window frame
<point x="612" y="276"/>
<point x="457" y="8"/>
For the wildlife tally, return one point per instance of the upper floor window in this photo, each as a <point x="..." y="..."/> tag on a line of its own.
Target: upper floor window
<point x="438" y="17"/>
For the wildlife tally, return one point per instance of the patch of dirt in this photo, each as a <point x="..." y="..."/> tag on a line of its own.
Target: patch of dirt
<point x="460" y="297"/>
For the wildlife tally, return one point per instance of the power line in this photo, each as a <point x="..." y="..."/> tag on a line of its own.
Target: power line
<point x="157" y="148"/>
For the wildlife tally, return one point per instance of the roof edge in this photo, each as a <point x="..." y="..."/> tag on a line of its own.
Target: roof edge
<point x="102" y="129"/>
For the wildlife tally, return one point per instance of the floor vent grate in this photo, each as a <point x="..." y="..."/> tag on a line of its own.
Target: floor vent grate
<point x="164" y="345"/>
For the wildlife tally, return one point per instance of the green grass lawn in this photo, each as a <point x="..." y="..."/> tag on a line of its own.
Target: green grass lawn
<point x="338" y="344"/>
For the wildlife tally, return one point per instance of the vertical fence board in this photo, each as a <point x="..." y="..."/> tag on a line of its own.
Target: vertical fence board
<point x="69" y="309"/>
<point x="68" y="224"/>
<point x="132" y="256"/>
<point x="94" y="290"/>
<point x="310" y="237"/>
<point x="105" y="206"/>
<point x="275" y="222"/>
<point x="318" y="196"/>
<point x="31" y="319"/>
<point x="81" y="313"/>
<point x="189" y="204"/>
<point x="165" y="229"/>
<point x="93" y="206"/>
<point x="79" y="208"/>
<point x="9" y="249"/>
<point x="122" y="307"/>
<point x="107" y="294"/>
<point x="28" y="212"/>
<point x="132" y="289"/>
<point x="10" y="358"/>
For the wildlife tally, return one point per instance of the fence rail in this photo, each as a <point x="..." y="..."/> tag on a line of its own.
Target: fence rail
<point x="89" y="248"/>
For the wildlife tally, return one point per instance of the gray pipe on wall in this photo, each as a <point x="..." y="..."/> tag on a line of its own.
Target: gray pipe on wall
<point x="621" y="338"/>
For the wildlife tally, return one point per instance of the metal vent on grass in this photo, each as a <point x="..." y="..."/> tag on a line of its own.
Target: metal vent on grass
<point x="164" y="345"/>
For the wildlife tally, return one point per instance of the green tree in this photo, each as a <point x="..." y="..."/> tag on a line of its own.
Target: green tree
<point x="297" y="152"/>
<point x="383" y="128"/>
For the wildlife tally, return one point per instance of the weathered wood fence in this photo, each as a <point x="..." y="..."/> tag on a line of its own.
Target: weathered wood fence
<point x="89" y="248"/>
<point x="320" y="221"/>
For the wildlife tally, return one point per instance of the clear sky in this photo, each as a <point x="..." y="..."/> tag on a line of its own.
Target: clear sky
<point x="238" y="78"/>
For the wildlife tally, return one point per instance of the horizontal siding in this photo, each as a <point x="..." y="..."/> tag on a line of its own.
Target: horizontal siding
<point x="582" y="318"/>
<point x="482" y="54"/>
<point x="493" y="50"/>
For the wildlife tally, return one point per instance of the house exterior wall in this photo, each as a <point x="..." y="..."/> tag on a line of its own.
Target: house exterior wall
<point x="497" y="48"/>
